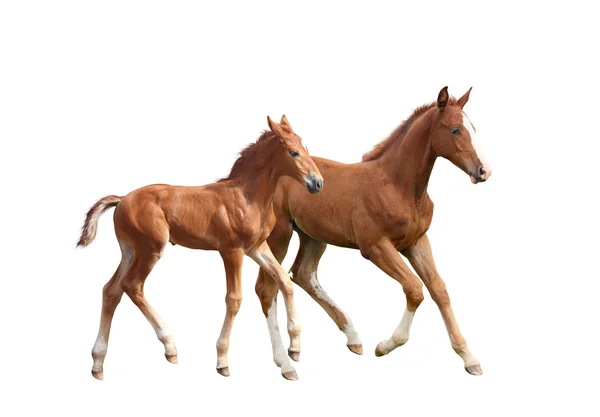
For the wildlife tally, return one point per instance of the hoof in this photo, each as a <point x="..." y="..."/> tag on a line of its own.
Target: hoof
<point x="294" y="355"/>
<point x="378" y="352"/>
<point x="224" y="371"/>
<point x="290" y="375"/>
<point x="98" y="375"/>
<point x="171" y="358"/>
<point x="356" y="349"/>
<point x="474" y="369"/>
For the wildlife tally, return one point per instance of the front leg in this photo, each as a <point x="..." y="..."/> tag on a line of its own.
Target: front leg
<point x="421" y="259"/>
<point x="263" y="256"/>
<point x="233" y="271"/>
<point x="384" y="255"/>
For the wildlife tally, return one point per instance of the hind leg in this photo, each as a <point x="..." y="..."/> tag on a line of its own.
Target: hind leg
<point x="305" y="275"/>
<point x="421" y="259"/>
<point x="133" y="285"/>
<point x="384" y="255"/>
<point x="111" y="296"/>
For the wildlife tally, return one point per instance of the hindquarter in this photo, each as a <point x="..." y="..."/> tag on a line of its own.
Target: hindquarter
<point x="140" y="222"/>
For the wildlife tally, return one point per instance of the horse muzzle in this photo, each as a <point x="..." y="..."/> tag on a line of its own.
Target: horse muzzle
<point x="481" y="175"/>
<point x="314" y="184"/>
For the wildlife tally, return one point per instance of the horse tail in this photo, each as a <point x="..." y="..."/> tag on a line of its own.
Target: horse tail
<point x="88" y="231"/>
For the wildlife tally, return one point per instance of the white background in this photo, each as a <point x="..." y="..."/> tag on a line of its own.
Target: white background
<point x="101" y="98"/>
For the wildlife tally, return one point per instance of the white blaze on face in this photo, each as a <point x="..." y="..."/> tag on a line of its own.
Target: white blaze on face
<point x="476" y="145"/>
<point x="303" y="145"/>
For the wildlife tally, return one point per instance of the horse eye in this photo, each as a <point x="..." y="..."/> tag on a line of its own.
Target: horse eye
<point x="455" y="130"/>
<point x="294" y="154"/>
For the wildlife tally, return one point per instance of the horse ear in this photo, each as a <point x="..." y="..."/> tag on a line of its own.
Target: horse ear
<point x="463" y="100"/>
<point x="442" y="99"/>
<point x="275" y="128"/>
<point x="285" y="124"/>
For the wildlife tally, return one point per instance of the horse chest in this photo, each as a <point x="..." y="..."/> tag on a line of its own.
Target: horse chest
<point x="409" y="225"/>
<point x="255" y="227"/>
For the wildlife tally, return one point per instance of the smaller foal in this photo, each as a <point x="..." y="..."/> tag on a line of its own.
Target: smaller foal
<point x="233" y="216"/>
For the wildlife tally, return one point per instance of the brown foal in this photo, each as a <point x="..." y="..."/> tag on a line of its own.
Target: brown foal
<point x="380" y="206"/>
<point x="233" y="216"/>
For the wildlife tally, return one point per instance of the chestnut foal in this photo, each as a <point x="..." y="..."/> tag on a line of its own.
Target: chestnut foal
<point x="233" y="216"/>
<point x="380" y="206"/>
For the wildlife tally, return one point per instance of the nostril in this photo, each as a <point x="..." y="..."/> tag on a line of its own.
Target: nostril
<point x="482" y="171"/>
<point x="319" y="184"/>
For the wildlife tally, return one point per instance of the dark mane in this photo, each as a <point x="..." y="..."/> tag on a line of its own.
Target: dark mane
<point x="248" y="154"/>
<point x="397" y="134"/>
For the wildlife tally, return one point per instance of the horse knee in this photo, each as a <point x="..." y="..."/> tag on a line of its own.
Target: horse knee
<point x="414" y="294"/>
<point x="233" y="301"/>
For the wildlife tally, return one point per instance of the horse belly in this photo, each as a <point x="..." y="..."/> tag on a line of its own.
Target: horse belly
<point x="192" y="239"/>
<point x="334" y="233"/>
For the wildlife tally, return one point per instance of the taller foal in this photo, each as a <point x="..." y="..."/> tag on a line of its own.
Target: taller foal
<point x="233" y="216"/>
<point x="380" y="206"/>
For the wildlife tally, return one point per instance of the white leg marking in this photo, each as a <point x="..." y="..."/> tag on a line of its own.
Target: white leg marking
<point x="466" y="355"/>
<point x="222" y="361"/>
<point x="400" y="335"/>
<point x="166" y="337"/>
<point x="98" y="353"/>
<point x="101" y="345"/>
<point x="279" y="355"/>
<point x="348" y="329"/>
<point x="351" y="333"/>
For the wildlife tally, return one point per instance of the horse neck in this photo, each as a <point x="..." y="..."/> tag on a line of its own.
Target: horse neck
<point x="409" y="161"/>
<point x="258" y="179"/>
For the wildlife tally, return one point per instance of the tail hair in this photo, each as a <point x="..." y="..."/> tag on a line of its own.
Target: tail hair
<point x="90" y="226"/>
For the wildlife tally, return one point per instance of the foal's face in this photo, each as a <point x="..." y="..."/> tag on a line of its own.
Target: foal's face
<point x="454" y="138"/>
<point x="293" y="157"/>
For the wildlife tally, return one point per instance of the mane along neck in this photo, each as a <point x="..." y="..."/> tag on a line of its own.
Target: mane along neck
<point x="397" y="135"/>
<point x="252" y="157"/>
<point x="255" y="170"/>
<point x="406" y="155"/>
